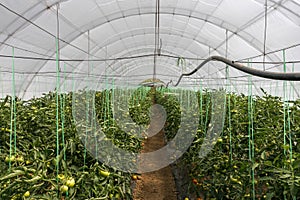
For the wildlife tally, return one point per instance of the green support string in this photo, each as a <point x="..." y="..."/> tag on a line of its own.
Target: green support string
<point x="1" y="81"/>
<point x="201" y="104"/>
<point x="87" y="120"/>
<point x="12" y="113"/>
<point x="140" y="95"/>
<point x="94" y="122"/>
<point x="62" y="110"/>
<point x="230" y="138"/>
<point x="107" y="99"/>
<point x="188" y="98"/>
<point x="223" y="119"/>
<point x="229" y="125"/>
<point x="289" y="117"/>
<point x="57" y="110"/>
<point x="286" y="116"/>
<point x="133" y="99"/>
<point x="249" y="122"/>
<point x="36" y="84"/>
<point x="284" y="108"/>
<point x="113" y="100"/>
<point x="62" y="114"/>
<point x="181" y="95"/>
<point x="225" y="104"/>
<point x="103" y="106"/>
<point x="291" y="84"/>
<point x="73" y="82"/>
<point x="251" y="133"/>
<point x="284" y="104"/>
<point x="195" y="93"/>
<point x="276" y="89"/>
<point x="39" y="85"/>
<point x="14" y="106"/>
<point x="206" y="110"/>
<point x="94" y="125"/>
<point x="1" y="97"/>
<point x="289" y="130"/>
<point x="87" y="96"/>
<point x="184" y="96"/>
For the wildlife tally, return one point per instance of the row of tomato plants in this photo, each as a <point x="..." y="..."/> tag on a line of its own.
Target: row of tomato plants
<point x="43" y="157"/>
<point x="257" y="153"/>
<point x="270" y="170"/>
<point x="36" y="170"/>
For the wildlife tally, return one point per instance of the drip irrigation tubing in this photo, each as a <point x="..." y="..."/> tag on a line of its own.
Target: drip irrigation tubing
<point x="265" y="74"/>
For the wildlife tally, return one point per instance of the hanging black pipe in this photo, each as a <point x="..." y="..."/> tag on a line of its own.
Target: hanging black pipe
<point x="255" y="72"/>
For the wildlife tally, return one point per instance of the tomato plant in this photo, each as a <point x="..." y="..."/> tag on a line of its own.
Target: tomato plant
<point x="275" y="165"/>
<point x="38" y="166"/>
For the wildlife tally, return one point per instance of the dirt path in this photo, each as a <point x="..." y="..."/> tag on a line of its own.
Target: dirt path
<point x="160" y="184"/>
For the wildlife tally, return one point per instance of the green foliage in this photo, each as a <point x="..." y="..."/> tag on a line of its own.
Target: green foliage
<point x="225" y="173"/>
<point x="36" y="170"/>
<point x="276" y="175"/>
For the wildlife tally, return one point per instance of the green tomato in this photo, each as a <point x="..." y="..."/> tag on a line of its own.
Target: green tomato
<point x="216" y="167"/>
<point x="286" y="147"/>
<point x="61" y="176"/>
<point x="64" y="188"/>
<point x="104" y="173"/>
<point x="26" y="194"/>
<point x="233" y="179"/>
<point x="10" y="159"/>
<point x="70" y="182"/>
<point x="20" y="159"/>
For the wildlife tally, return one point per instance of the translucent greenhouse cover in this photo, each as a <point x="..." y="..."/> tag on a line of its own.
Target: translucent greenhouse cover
<point x="105" y="43"/>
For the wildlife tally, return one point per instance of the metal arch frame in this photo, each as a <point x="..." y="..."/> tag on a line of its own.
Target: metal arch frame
<point x="169" y="69"/>
<point x="26" y="88"/>
<point x="132" y="69"/>
<point x="178" y="33"/>
<point x="122" y="54"/>
<point x="139" y="68"/>
<point x="168" y="66"/>
<point x="184" y="35"/>
<point x="206" y="19"/>
<point x="199" y="43"/>
<point x="203" y="19"/>
<point x="34" y="16"/>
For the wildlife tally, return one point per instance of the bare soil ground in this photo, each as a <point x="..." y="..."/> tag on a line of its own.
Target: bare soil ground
<point x="156" y="185"/>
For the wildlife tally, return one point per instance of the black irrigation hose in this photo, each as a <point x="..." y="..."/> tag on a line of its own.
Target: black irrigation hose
<point x="255" y="72"/>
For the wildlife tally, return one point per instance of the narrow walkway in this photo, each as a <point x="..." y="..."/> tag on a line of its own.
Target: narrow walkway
<point x="160" y="184"/>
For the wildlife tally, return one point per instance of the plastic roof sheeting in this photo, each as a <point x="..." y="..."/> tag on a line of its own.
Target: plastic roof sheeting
<point x="110" y="29"/>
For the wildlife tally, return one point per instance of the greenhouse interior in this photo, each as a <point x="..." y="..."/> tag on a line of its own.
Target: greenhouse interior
<point x="149" y="99"/>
